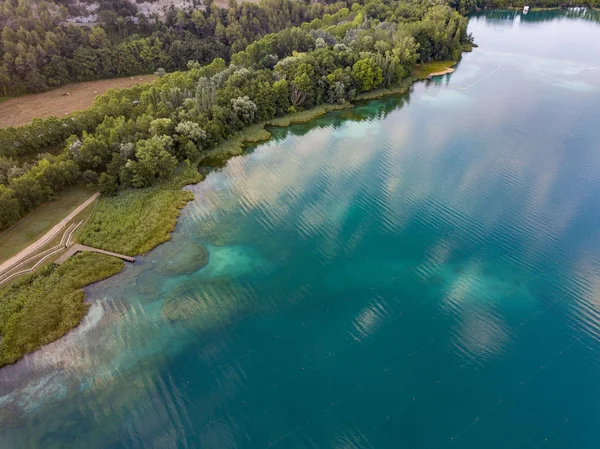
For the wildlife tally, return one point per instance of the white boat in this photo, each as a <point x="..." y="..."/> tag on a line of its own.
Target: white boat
<point x="525" y="9"/>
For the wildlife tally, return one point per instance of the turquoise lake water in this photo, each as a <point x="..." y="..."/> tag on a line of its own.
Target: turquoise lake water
<point x="417" y="272"/>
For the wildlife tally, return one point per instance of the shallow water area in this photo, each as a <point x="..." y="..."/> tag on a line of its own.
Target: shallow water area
<point x="419" y="271"/>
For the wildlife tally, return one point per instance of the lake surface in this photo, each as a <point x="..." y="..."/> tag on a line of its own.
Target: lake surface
<point x="417" y="272"/>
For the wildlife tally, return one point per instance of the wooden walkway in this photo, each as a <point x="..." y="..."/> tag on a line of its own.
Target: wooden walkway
<point x="77" y="248"/>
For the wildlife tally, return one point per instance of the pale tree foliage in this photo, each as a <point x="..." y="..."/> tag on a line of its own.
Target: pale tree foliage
<point x="189" y="136"/>
<point x="206" y="94"/>
<point x="191" y="130"/>
<point x="174" y="97"/>
<point x="328" y="38"/>
<point x="286" y="62"/>
<point x="220" y="78"/>
<point x="193" y="65"/>
<point x="244" y="108"/>
<point x="74" y="146"/>
<point x="161" y="126"/>
<point x="243" y="72"/>
<point x="127" y="150"/>
<point x="337" y="93"/>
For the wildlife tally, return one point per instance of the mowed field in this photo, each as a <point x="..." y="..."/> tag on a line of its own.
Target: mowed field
<point x="59" y="102"/>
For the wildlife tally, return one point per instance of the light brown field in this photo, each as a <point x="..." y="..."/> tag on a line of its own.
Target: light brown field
<point x="22" y="110"/>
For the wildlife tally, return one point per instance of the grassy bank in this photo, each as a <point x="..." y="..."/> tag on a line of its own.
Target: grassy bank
<point x="42" y="307"/>
<point x="257" y="133"/>
<point x="380" y="93"/>
<point x="137" y="220"/>
<point x="422" y="71"/>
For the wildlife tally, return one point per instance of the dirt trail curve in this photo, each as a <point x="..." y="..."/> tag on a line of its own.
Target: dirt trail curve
<point x="46" y="237"/>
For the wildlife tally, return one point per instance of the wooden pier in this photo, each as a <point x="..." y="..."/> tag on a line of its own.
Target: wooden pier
<point x="77" y="248"/>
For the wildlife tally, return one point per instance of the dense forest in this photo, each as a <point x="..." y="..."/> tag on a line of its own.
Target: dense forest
<point x="38" y="52"/>
<point x="135" y="137"/>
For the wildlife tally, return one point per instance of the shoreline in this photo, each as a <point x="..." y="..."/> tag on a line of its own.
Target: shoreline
<point x="537" y="8"/>
<point x="237" y="144"/>
<point x="257" y="133"/>
<point x="442" y="73"/>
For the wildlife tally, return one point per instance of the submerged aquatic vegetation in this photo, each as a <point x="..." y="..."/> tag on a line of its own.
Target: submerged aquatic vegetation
<point x="183" y="257"/>
<point x="208" y="309"/>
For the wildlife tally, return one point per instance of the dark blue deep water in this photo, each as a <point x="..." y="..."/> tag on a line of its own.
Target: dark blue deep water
<point x="417" y="272"/>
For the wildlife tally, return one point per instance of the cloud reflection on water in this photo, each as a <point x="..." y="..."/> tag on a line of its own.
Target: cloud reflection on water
<point x="475" y="168"/>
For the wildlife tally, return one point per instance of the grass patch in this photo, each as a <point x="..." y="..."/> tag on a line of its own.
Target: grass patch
<point x="257" y="133"/>
<point x="422" y="71"/>
<point x="235" y="145"/>
<point x="307" y="115"/>
<point x="137" y="220"/>
<point x="43" y="306"/>
<point x="40" y="221"/>
<point x="380" y="93"/>
<point x="538" y="8"/>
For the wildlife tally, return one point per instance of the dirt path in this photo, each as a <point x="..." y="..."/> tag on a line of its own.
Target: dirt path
<point x="46" y="237"/>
